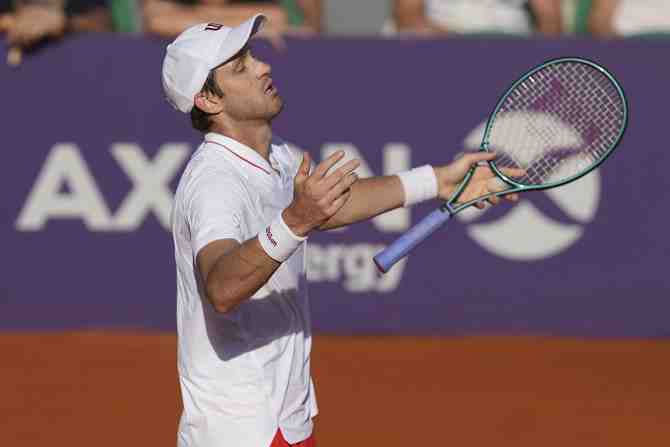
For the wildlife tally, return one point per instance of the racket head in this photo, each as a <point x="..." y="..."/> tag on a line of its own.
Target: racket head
<point x="559" y="121"/>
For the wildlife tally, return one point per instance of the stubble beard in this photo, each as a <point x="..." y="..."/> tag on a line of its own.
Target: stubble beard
<point x="279" y="109"/>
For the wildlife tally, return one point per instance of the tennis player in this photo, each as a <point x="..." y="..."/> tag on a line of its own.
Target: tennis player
<point x="244" y="208"/>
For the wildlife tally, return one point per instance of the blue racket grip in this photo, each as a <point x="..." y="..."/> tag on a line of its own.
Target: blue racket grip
<point x="406" y="243"/>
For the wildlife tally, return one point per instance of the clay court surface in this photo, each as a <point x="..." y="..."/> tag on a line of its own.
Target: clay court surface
<point x="111" y="390"/>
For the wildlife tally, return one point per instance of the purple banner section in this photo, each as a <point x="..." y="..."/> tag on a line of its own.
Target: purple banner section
<point x="92" y="153"/>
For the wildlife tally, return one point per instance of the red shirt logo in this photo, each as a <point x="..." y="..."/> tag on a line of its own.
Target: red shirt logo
<point x="268" y="233"/>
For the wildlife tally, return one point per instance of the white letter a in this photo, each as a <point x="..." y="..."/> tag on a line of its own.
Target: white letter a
<point x="64" y="165"/>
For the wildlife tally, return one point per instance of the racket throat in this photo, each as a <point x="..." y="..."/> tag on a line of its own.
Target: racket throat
<point x="447" y="208"/>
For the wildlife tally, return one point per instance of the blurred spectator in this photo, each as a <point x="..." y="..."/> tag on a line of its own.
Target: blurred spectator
<point x="478" y="16"/>
<point x="628" y="17"/>
<point x="29" y="22"/>
<point x="304" y="16"/>
<point x="168" y="18"/>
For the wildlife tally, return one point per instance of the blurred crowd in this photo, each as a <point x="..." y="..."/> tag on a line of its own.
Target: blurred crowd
<point x="30" y="23"/>
<point x="597" y="18"/>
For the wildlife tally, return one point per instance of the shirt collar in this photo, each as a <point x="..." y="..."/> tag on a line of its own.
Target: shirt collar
<point x="243" y="152"/>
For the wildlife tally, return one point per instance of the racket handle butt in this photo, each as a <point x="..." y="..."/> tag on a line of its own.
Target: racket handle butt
<point x="406" y="243"/>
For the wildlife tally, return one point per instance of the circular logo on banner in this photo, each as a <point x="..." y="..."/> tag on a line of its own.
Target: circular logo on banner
<point x="525" y="232"/>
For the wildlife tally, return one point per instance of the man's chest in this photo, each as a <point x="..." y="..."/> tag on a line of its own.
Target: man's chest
<point x="266" y="199"/>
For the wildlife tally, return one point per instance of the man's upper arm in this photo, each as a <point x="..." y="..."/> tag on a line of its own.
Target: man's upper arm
<point x="211" y="253"/>
<point x="214" y="211"/>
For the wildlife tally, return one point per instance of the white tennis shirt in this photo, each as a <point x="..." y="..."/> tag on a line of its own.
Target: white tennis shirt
<point x="246" y="373"/>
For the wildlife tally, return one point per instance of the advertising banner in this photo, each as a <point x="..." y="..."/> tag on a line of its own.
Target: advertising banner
<point x="92" y="154"/>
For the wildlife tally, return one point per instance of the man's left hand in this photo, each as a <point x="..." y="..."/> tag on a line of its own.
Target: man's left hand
<point x="483" y="181"/>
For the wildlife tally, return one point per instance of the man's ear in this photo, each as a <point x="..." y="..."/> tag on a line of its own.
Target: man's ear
<point x="208" y="102"/>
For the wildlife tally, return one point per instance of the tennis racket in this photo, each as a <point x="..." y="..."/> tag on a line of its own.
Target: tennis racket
<point x="555" y="124"/>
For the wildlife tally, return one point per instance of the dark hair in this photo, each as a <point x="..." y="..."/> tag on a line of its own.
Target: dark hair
<point x="199" y="119"/>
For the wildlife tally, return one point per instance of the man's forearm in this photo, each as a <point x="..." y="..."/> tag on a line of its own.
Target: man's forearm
<point x="238" y="274"/>
<point x="369" y="197"/>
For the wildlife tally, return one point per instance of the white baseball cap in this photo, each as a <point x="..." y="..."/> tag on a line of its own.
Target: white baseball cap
<point x="196" y="51"/>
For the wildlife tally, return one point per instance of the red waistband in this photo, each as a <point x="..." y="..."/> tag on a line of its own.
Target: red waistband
<point x="279" y="441"/>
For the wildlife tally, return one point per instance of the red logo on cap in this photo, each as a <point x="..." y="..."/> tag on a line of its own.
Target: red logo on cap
<point x="213" y="27"/>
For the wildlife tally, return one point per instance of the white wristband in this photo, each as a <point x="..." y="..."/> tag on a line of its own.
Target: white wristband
<point x="278" y="240"/>
<point x="420" y="184"/>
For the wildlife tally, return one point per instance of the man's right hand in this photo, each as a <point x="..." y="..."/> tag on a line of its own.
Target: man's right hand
<point x="319" y="196"/>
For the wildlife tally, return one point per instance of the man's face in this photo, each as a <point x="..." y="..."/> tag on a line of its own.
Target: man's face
<point x="249" y="94"/>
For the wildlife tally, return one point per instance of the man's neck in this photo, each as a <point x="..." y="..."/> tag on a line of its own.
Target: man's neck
<point x="255" y="136"/>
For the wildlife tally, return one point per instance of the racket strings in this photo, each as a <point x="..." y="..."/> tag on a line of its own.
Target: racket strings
<point x="558" y="122"/>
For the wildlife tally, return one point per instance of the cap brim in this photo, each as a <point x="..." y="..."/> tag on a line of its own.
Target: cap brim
<point x="238" y="38"/>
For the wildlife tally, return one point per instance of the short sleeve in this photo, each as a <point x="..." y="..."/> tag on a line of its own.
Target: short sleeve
<point x="215" y="209"/>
